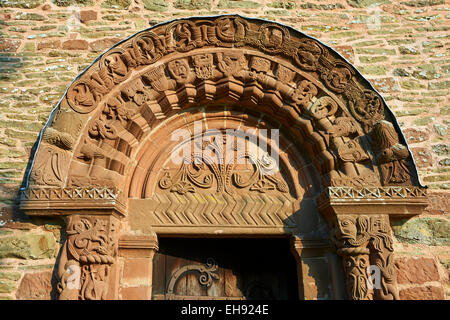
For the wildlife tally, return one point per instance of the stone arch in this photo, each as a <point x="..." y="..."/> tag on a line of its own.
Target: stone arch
<point x="99" y="149"/>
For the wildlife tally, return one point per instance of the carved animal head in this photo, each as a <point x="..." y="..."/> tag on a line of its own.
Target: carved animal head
<point x="346" y="229"/>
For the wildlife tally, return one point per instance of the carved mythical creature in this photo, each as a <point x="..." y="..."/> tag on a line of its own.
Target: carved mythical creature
<point x="88" y="253"/>
<point x="95" y="286"/>
<point x="184" y="35"/>
<point x="308" y="54"/>
<point x="364" y="241"/>
<point x="303" y="95"/>
<point x="232" y="64"/>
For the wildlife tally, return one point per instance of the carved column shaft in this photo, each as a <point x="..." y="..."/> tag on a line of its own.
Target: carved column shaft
<point x="87" y="259"/>
<point x="366" y="246"/>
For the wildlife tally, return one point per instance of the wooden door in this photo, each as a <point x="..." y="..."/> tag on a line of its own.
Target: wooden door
<point x="243" y="269"/>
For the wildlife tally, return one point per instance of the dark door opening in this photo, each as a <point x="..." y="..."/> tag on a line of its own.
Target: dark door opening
<point x="247" y="269"/>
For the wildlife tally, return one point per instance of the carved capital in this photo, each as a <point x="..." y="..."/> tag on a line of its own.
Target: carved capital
<point x="366" y="247"/>
<point x="88" y="255"/>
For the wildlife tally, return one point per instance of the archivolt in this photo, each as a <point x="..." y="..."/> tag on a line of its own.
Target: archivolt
<point x="227" y="60"/>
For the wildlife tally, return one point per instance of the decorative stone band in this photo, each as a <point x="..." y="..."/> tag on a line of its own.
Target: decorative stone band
<point x="398" y="201"/>
<point x="217" y="209"/>
<point x="377" y="192"/>
<point x="50" y="201"/>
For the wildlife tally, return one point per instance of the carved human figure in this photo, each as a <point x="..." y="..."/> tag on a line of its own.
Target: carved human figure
<point x="391" y="155"/>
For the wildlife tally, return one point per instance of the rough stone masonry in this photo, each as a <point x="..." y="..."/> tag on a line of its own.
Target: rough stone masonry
<point x="402" y="47"/>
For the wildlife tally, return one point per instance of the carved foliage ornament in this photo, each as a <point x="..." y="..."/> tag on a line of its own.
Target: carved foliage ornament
<point x="208" y="168"/>
<point x="207" y="274"/>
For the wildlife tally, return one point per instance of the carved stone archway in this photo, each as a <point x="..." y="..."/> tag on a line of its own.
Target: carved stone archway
<point x="102" y="161"/>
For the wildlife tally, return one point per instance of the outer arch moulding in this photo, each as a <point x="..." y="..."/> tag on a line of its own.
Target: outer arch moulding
<point x="362" y="136"/>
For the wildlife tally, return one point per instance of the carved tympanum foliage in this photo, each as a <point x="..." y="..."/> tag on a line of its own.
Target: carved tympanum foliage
<point x="88" y="253"/>
<point x="210" y="165"/>
<point x="365" y="244"/>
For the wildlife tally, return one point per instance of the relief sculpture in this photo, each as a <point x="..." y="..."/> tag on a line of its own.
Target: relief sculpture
<point x="233" y="72"/>
<point x="390" y="154"/>
<point x="88" y="253"/>
<point x="365" y="241"/>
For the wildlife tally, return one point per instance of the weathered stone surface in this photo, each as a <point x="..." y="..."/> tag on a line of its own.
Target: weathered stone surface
<point x="414" y="135"/>
<point x="423" y="121"/>
<point x="422" y="293"/>
<point x="412" y="85"/>
<point x="441" y="149"/>
<point x="422" y="157"/>
<point x="416" y="271"/>
<point x="52" y="44"/>
<point x="28" y="246"/>
<point x="116" y="4"/>
<point x="430" y="231"/>
<point x="444" y="162"/>
<point x="366" y="3"/>
<point x="7" y="286"/>
<point x="35" y="286"/>
<point x="155" y="5"/>
<point x="20" y="225"/>
<point x="385" y="84"/>
<point x="30" y="16"/>
<point x="103" y="44"/>
<point x="441" y="129"/>
<point x="422" y="3"/>
<point x="75" y="45"/>
<point x="26" y="4"/>
<point x="192" y="4"/>
<point x="9" y="45"/>
<point x="408" y="50"/>
<point x="232" y="4"/>
<point x="87" y="15"/>
<point x="347" y="52"/>
<point x="10" y="276"/>
<point x="439" y="85"/>
<point x="439" y="202"/>
<point x="66" y="3"/>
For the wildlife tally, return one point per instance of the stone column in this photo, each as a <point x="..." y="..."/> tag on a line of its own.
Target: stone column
<point x="359" y="220"/>
<point x="87" y="268"/>
<point x="137" y="252"/>
<point x="365" y="244"/>
<point x="312" y="255"/>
